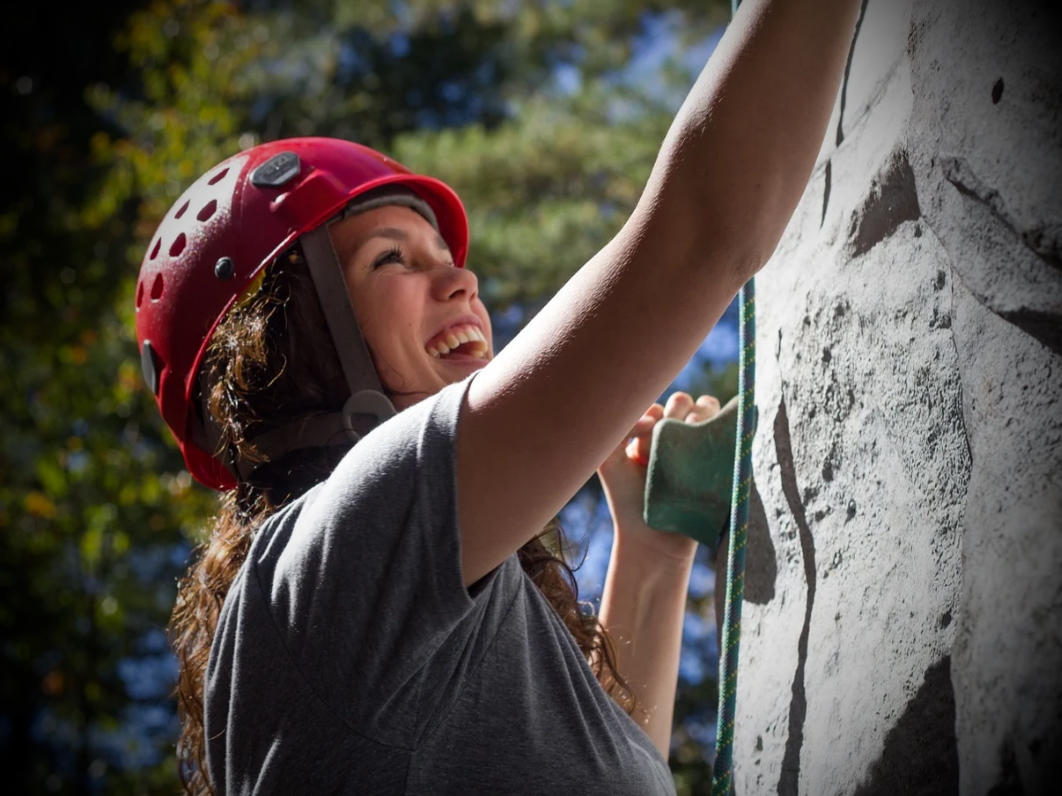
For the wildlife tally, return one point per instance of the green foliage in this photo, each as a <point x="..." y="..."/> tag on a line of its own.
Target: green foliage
<point x="125" y="105"/>
<point x="545" y="190"/>
<point x="95" y="507"/>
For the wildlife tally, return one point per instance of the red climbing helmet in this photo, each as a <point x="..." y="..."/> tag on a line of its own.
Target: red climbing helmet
<point x="216" y="239"/>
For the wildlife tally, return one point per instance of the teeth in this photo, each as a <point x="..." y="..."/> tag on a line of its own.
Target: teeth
<point x="456" y="337"/>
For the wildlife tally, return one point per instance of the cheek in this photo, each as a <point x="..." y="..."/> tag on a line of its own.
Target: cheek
<point x="488" y="327"/>
<point x="369" y="309"/>
<point x="386" y="313"/>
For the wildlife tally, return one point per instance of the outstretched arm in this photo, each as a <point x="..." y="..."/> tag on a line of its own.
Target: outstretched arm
<point x="548" y="409"/>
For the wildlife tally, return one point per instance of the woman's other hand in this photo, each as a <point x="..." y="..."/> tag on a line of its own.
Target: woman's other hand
<point x="623" y="476"/>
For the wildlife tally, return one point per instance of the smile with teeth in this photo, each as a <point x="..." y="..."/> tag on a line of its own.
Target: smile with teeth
<point x="468" y="338"/>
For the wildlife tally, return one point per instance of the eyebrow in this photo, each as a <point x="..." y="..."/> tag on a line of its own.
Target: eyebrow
<point x="400" y="235"/>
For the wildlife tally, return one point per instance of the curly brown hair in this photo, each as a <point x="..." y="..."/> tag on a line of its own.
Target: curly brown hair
<point x="256" y="379"/>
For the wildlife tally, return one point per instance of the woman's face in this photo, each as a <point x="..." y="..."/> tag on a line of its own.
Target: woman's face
<point x="421" y="316"/>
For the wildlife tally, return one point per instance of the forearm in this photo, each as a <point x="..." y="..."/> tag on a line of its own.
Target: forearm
<point x="739" y="153"/>
<point x="642" y="608"/>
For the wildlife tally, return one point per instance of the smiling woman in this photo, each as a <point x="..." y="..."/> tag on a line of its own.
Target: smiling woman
<point x="261" y="395"/>
<point x="377" y="610"/>
<point x="397" y="266"/>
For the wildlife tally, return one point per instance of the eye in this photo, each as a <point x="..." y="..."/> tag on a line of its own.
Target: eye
<point x="392" y="255"/>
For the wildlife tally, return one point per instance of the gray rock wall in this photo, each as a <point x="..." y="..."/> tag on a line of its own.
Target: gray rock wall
<point x="902" y="631"/>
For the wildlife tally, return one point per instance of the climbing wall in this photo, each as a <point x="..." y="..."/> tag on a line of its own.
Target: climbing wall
<point x="902" y="630"/>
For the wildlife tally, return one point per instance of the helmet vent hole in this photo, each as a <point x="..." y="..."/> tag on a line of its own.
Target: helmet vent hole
<point x="178" y="245"/>
<point x="156" y="288"/>
<point x="155" y="249"/>
<point x="218" y="177"/>
<point x="182" y="211"/>
<point x="139" y="294"/>
<point x="209" y="210"/>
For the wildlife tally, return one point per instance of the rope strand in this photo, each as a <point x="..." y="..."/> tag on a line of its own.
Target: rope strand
<point x="722" y="771"/>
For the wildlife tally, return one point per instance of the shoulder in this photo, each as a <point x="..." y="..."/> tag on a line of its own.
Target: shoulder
<point x="391" y="500"/>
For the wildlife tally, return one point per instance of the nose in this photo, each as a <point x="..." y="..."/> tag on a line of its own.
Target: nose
<point x="451" y="283"/>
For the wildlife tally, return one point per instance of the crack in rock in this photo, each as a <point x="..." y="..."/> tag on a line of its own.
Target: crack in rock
<point x="826" y="192"/>
<point x="1044" y="240"/>
<point x="1043" y="326"/>
<point x="788" y="782"/>
<point x="847" y="73"/>
<point x="893" y="199"/>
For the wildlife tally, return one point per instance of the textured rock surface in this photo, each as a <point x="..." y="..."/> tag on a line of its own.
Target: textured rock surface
<point x="907" y="636"/>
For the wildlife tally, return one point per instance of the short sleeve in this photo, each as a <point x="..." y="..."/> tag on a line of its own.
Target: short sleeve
<point x="363" y="577"/>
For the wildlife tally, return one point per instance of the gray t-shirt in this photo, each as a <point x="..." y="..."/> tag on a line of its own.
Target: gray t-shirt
<point x="350" y="659"/>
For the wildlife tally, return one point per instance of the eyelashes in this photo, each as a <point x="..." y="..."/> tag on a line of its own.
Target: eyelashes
<point x="395" y="255"/>
<point x="392" y="255"/>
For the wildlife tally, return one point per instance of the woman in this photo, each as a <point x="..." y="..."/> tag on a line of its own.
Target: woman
<point x="386" y="616"/>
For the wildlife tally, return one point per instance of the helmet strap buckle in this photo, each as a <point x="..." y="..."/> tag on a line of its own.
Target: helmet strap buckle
<point x="365" y="410"/>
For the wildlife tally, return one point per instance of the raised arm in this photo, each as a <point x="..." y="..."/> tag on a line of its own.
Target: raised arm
<point x="541" y="417"/>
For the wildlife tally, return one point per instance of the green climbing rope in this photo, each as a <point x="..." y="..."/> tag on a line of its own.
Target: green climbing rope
<point x="722" y="772"/>
<point x="723" y="768"/>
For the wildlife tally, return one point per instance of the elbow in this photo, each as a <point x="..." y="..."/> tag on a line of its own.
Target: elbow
<point x="704" y="228"/>
<point x="744" y="230"/>
<point x="735" y="217"/>
<point x="747" y="220"/>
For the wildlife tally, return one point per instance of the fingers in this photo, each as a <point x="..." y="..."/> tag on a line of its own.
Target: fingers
<point x="641" y="435"/>
<point x="680" y="406"/>
<point x="705" y="408"/>
<point x="647" y="420"/>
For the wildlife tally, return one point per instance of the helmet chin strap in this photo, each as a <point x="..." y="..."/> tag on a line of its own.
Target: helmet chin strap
<point x="367" y="405"/>
<point x="366" y="393"/>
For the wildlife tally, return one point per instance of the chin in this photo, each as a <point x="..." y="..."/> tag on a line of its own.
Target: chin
<point x="462" y="363"/>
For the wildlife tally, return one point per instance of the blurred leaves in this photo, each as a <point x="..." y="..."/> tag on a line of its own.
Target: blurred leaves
<point x="545" y="115"/>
